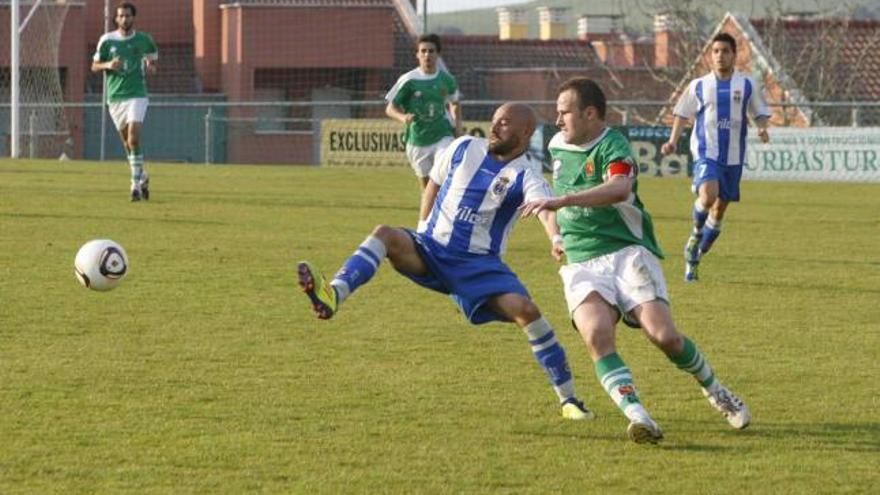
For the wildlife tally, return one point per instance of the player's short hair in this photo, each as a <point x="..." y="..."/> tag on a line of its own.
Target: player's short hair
<point x="429" y="38"/>
<point x="589" y="93"/>
<point x="127" y="5"/>
<point x="725" y="38"/>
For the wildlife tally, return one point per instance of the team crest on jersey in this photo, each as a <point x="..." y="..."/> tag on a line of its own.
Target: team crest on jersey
<point x="500" y="185"/>
<point x="417" y="94"/>
<point x="737" y="96"/>
<point x="557" y="165"/>
<point x="589" y="168"/>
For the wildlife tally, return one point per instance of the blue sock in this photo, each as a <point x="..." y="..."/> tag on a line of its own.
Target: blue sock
<point x="359" y="268"/>
<point x="551" y="356"/>
<point x="710" y="233"/>
<point x="700" y="215"/>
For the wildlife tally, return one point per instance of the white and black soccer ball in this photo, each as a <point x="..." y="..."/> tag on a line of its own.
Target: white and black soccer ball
<point x="100" y="264"/>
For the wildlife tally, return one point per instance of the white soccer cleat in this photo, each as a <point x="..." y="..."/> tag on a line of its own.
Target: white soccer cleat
<point x="730" y="406"/>
<point x="644" y="430"/>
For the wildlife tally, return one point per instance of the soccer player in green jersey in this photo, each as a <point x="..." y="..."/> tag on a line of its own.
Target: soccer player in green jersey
<point x="425" y="99"/>
<point x="612" y="254"/>
<point x="126" y="55"/>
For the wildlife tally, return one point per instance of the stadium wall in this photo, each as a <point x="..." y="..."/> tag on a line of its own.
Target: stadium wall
<point x="168" y="21"/>
<point x="248" y="47"/>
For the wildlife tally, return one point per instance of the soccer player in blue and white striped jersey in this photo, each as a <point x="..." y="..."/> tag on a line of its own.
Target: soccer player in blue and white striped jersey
<point x="469" y="207"/>
<point x="720" y="103"/>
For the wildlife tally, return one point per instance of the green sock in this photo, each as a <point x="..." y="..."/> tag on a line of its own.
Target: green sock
<point x="691" y="360"/>
<point x="136" y="162"/>
<point x="617" y="381"/>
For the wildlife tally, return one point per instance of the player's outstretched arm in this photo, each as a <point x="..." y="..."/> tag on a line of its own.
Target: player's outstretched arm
<point x="536" y="206"/>
<point x="615" y="190"/>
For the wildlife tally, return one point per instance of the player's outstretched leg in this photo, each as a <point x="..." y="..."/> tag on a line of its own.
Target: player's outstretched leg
<point x="357" y="270"/>
<point x="692" y="361"/>
<point x="321" y="294"/>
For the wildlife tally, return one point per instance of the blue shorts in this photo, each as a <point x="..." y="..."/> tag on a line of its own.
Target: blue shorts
<point x="728" y="177"/>
<point x="469" y="279"/>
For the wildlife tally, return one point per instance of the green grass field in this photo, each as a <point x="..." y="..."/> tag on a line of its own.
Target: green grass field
<point x="205" y="371"/>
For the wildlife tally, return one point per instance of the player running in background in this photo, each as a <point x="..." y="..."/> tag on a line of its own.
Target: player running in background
<point x="719" y="102"/>
<point x="469" y="207"/>
<point x="613" y="267"/>
<point x="425" y="99"/>
<point x="126" y="55"/>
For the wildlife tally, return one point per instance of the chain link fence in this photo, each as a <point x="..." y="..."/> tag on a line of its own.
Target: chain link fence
<point x="187" y="130"/>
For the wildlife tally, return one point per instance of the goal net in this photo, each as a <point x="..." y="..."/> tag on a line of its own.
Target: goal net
<point x="44" y="122"/>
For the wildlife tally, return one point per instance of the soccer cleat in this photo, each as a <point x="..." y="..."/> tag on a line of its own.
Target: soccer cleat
<point x="644" y="430"/>
<point x="692" y="257"/>
<point x="322" y="294"/>
<point x="690" y="272"/>
<point x="692" y="248"/>
<point x="135" y="194"/>
<point x="145" y="188"/>
<point x="576" y="410"/>
<point x="730" y="406"/>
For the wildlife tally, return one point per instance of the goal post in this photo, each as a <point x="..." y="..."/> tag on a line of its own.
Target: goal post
<point x="15" y="80"/>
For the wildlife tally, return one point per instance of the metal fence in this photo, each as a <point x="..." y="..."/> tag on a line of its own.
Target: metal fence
<point x="183" y="129"/>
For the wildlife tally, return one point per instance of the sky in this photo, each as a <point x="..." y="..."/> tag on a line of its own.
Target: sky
<point x="438" y="6"/>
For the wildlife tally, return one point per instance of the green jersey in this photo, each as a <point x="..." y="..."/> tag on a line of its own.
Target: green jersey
<point x="426" y="97"/>
<point x="128" y="81"/>
<point x="595" y="231"/>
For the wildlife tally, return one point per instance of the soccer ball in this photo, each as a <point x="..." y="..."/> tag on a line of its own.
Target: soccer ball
<point x="100" y="264"/>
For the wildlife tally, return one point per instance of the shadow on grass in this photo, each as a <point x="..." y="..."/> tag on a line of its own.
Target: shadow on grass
<point x="847" y="437"/>
<point x="692" y="447"/>
<point x="669" y="443"/>
<point x="831" y="437"/>
<point x="826" y="437"/>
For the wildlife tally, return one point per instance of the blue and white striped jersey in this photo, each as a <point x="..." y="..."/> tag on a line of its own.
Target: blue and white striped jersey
<point x="476" y="206"/>
<point x="719" y="110"/>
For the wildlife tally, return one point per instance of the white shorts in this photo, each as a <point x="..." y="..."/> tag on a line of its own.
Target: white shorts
<point x="421" y="158"/>
<point x="127" y="111"/>
<point x="625" y="279"/>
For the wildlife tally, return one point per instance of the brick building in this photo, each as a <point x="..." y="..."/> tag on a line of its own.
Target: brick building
<point x="306" y="51"/>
